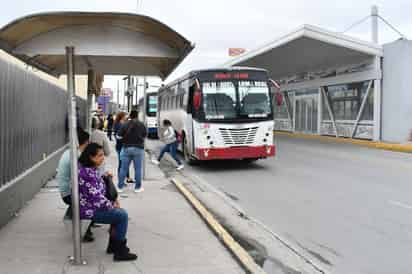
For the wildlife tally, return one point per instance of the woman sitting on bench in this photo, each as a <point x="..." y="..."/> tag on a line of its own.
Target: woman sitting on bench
<point x="95" y="206"/>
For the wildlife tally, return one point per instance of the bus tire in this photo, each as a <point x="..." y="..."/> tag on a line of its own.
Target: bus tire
<point x="188" y="158"/>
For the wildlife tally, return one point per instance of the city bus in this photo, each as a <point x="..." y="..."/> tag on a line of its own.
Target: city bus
<point x="223" y="113"/>
<point x="151" y="113"/>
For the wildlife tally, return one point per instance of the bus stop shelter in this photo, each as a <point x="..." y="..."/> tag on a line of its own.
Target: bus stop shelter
<point x="310" y="64"/>
<point x="84" y="42"/>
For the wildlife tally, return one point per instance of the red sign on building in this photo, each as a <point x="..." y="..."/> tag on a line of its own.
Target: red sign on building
<point x="236" y="51"/>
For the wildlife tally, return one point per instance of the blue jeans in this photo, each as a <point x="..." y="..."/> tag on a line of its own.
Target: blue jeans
<point x="127" y="155"/>
<point x="172" y="149"/>
<point x="117" y="217"/>
<point x="120" y="164"/>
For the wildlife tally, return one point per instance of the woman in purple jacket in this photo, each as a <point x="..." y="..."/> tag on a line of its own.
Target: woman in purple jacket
<point x="95" y="206"/>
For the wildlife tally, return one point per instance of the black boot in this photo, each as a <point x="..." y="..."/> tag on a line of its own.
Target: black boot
<point x="121" y="251"/>
<point x="110" y="247"/>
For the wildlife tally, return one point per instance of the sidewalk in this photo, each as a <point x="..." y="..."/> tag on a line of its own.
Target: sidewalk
<point x="164" y="230"/>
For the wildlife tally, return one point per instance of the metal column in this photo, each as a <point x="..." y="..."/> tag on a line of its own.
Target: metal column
<point x="77" y="249"/>
<point x="90" y="90"/>
<point x="144" y="122"/>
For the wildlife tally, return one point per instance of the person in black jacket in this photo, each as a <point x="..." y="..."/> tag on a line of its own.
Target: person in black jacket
<point x="109" y="126"/>
<point x="132" y="134"/>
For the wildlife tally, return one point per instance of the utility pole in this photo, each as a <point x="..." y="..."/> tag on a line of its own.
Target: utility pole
<point x="375" y="16"/>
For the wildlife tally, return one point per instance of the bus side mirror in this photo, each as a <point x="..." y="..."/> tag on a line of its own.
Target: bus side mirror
<point x="197" y="99"/>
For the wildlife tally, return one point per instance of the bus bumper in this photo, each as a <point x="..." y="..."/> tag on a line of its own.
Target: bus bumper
<point x="235" y="153"/>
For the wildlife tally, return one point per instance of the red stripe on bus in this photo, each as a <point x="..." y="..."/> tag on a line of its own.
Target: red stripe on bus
<point x="235" y="152"/>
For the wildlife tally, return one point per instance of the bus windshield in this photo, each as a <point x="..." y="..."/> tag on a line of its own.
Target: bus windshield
<point x="152" y="105"/>
<point x="228" y="100"/>
<point x="254" y="99"/>
<point x="219" y="100"/>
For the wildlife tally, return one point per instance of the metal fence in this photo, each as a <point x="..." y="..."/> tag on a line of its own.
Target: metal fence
<point x="33" y="119"/>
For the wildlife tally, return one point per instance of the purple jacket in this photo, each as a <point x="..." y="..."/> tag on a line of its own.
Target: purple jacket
<point x="92" y="190"/>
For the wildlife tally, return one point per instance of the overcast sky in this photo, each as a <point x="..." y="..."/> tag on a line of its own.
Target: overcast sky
<point x="216" y="25"/>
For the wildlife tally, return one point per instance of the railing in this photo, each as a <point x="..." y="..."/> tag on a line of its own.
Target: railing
<point x="33" y="119"/>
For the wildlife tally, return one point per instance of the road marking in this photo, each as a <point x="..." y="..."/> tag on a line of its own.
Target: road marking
<point x="399" y="204"/>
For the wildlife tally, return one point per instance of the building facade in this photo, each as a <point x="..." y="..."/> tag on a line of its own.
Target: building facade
<point x="336" y="85"/>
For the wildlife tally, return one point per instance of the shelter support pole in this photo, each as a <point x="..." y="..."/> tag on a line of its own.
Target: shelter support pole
<point x="91" y="77"/>
<point x="365" y="99"/>
<point x="77" y="258"/>
<point x="331" y="116"/>
<point x="145" y="123"/>
<point x="320" y="111"/>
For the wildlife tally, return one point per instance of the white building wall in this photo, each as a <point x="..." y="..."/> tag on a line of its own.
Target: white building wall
<point x="397" y="91"/>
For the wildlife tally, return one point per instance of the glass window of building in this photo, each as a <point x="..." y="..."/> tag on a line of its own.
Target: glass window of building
<point x="345" y="101"/>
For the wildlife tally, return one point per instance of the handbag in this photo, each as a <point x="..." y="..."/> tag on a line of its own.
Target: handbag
<point x="111" y="191"/>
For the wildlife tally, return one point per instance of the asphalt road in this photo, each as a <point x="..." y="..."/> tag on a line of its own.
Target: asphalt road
<point x="349" y="206"/>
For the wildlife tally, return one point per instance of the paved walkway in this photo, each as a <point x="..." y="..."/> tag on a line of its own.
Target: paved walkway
<point x="164" y="230"/>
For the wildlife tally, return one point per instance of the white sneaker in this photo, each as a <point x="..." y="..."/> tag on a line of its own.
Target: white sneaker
<point x="120" y="190"/>
<point x="180" y="167"/>
<point x="156" y="162"/>
<point x="141" y="189"/>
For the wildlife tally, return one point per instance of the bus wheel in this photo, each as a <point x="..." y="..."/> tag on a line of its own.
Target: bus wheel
<point x="189" y="159"/>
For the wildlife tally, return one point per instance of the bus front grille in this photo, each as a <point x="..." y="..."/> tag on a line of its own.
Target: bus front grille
<point x="243" y="136"/>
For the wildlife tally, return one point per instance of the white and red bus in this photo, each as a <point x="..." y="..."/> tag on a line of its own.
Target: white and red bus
<point x="221" y="113"/>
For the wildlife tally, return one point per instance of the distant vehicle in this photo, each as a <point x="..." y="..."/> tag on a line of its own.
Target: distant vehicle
<point x="221" y="113"/>
<point x="151" y="112"/>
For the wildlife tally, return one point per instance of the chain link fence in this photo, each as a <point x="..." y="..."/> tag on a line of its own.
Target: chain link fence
<point x="33" y="119"/>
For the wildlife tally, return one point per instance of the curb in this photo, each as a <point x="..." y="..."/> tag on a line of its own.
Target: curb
<point x="406" y="148"/>
<point x="239" y="252"/>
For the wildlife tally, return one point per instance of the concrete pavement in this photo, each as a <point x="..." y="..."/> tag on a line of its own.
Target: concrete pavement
<point x="165" y="232"/>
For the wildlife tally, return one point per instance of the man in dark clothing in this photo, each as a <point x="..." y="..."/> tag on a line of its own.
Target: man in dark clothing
<point x="110" y="126"/>
<point x="132" y="134"/>
<point x="101" y="122"/>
